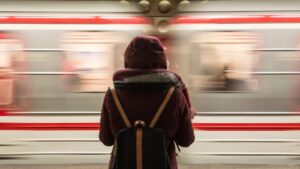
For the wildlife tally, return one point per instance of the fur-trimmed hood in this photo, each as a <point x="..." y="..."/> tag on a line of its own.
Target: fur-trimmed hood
<point x="129" y="76"/>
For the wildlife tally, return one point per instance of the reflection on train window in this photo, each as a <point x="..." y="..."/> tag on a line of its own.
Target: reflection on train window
<point x="89" y="60"/>
<point x="11" y="60"/>
<point x="223" y="61"/>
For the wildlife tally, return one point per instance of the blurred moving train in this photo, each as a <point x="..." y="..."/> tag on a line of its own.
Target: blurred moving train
<point x="241" y="62"/>
<point x="239" y="58"/>
<point x="56" y="60"/>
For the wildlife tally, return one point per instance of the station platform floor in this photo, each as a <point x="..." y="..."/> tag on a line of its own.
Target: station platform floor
<point x="204" y="166"/>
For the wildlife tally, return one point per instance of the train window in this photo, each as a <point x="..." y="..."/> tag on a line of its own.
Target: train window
<point x="89" y="60"/>
<point x="223" y="61"/>
<point x="5" y="50"/>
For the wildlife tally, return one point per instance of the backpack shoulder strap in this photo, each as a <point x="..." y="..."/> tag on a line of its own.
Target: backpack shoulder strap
<point x="162" y="106"/>
<point x="120" y="108"/>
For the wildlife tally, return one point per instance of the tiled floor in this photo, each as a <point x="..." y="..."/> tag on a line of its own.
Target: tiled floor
<point x="180" y="167"/>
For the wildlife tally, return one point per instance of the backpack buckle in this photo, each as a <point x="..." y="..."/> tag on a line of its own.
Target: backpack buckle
<point x="139" y="123"/>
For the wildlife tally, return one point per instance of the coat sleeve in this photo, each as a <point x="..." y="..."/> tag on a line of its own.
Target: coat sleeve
<point x="185" y="133"/>
<point x="105" y="134"/>
<point x="187" y="97"/>
<point x="185" y="92"/>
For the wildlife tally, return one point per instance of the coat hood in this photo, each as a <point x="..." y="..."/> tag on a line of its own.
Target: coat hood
<point x="145" y="52"/>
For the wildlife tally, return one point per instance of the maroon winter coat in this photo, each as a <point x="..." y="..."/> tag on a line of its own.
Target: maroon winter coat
<point x="145" y="63"/>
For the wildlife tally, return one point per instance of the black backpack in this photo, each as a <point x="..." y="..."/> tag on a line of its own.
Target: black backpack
<point x="140" y="146"/>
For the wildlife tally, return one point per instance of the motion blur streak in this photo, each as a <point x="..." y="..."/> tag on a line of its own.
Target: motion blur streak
<point x="239" y="59"/>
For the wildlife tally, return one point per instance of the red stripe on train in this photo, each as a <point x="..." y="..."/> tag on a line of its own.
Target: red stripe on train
<point x="197" y="126"/>
<point x="241" y="19"/>
<point x="246" y="126"/>
<point x="49" y="126"/>
<point x="88" y="20"/>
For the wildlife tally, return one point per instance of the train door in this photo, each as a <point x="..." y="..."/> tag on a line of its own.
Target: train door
<point x="11" y="60"/>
